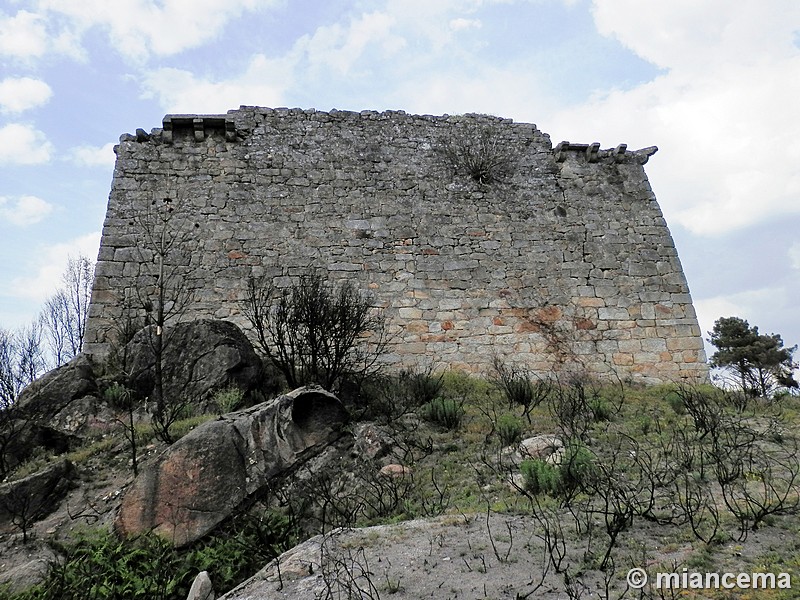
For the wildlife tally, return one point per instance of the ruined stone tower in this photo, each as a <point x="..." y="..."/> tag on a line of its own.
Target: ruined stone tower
<point x="551" y="256"/>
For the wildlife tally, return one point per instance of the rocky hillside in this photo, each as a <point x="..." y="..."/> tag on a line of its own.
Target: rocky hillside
<point x="413" y="485"/>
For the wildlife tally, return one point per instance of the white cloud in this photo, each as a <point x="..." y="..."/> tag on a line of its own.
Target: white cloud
<point x="27" y="36"/>
<point x="25" y="210"/>
<point x="23" y="145"/>
<point x="477" y="89"/>
<point x="461" y="23"/>
<point x="140" y="28"/>
<point x="93" y="156"/>
<point x="794" y="255"/>
<point x="405" y="56"/>
<point x="669" y="34"/>
<point x="49" y="264"/>
<point x="18" y="94"/>
<point x="262" y="83"/>
<point x="723" y="113"/>
<point x="23" y="35"/>
<point x="768" y="308"/>
<point x="337" y="47"/>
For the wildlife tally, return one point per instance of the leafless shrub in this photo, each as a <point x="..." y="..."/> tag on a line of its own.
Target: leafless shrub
<point x="699" y="506"/>
<point x="437" y="501"/>
<point x="21" y="362"/>
<point x="315" y="332"/>
<point x="767" y="486"/>
<point x="346" y="573"/>
<point x="570" y="406"/>
<point x="64" y="315"/>
<point x="388" y="397"/>
<point x="22" y="508"/>
<point x="704" y="409"/>
<point x="162" y="293"/>
<point x="519" y="386"/>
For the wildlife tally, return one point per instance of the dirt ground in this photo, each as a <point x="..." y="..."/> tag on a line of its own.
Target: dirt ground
<point x="497" y="557"/>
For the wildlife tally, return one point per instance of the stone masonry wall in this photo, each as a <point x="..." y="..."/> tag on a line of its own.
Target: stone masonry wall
<point x="565" y="259"/>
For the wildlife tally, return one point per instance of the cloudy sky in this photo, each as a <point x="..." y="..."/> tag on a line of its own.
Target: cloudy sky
<point x="715" y="84"/>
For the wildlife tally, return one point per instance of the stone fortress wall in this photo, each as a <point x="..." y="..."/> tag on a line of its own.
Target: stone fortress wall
<point x="566" y="258"/>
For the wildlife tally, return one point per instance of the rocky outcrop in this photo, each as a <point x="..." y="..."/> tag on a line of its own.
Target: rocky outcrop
<point x="25" y="501"/>
<point x="18" y="579"/>
<point x="54" y="411"/>
<point x="220" y="467"/>
<point x="200" y="357"/>
<point x="54" y="391"/>
<point x="425" y="558"/>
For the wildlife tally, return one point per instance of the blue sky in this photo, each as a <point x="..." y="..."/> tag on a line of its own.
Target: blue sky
<point x="713" y="83"/>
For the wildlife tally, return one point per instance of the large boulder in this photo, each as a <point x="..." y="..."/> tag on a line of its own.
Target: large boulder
<point x="200" y="357"/>
<point x="220" y="467"/>
<point x="18" y="579"/>
<point x="49" y="399"/>
<point x="27" y="500"/>
<point x="51" y="412"/>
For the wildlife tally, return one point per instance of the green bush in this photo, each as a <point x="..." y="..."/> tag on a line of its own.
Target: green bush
<point x="446" y="412"/>
<point x="572" y="473"/>
<point x="228" y="399"/>
<point x="509" y="428"/>
<point x="540" y="477"/>
<point x="577" y="465"/>
<point x="117" y="395"/>
<point x="519" y="388"/>
<point x="675" y="403"/>
<point x="422" y="387"/>
<point x="601" y="409"/>
<point x="97" y="565"/>
<point x="481" y="155"/>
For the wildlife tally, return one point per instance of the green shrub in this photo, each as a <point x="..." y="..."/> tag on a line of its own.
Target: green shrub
<point x="601" y="409"/>
<point x="541" y="477"/>
<point x="97" y="565"/>
<point x="184" y="426"/>
<point x="228" y="399"/>
<point x="457" y="384"/>
<point x="245" y="547"/>
<point x="519" y="388"/>
<point x="577" y="465"/>
<point x="509" y="428"/>
<point x="675" y="403"/>
<point x="117" y="395"/>
<point x="572" y="473"/>
<point x="481" y="155"/>
<point x="446" y="412"/>
<point x="422" y="387"/>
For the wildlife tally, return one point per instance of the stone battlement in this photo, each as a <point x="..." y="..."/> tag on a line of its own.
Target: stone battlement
<point x="557" y="255"/>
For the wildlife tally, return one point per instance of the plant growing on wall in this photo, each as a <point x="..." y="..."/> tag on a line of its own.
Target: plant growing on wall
<point x="313" y="331"/>
<point x="481" y="155"/>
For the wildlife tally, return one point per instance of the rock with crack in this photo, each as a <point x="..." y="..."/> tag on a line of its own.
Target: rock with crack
<point x="222" y="466"/>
